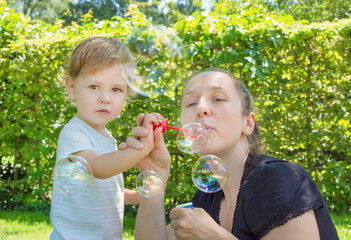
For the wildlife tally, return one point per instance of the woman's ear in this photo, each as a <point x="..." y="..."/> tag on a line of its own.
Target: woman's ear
<point x="249" y="124"/>
<point x="70" y="88"/>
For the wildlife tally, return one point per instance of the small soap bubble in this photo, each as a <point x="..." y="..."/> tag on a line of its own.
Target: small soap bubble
<point x="192" y="138"/>
<point x="149" y="184"/>
<point x="159" y="60"/>
<point x="209" y="174"/>
<point x="73" y="174"/>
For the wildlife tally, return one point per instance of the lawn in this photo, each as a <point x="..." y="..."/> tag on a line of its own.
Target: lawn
<point x="35" y="225"/>
<point x="18" y="225"/>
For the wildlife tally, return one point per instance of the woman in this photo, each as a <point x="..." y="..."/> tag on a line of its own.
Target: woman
<point x="264" y="197"/>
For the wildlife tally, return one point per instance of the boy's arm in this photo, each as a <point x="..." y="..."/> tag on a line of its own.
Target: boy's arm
<point x="110" y="164"/>
<point x="113" y="163"/>
<point x="131" y="197"/>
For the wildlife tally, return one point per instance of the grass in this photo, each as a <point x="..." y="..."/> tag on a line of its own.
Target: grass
<point x="343" y="226"/>
<point x="18" y="225"/>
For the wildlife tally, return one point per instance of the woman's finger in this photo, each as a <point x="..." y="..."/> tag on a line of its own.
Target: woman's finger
<point x="175" y="213"/>
<point x="150" y="120"/>
<point x="140" y="119"/>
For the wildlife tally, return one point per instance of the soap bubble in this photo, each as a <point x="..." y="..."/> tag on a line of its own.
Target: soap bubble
<point x="149" y="184"/>
<point x="192" y="138"/>
<point x="159" y="58"/>
<point x="209" y="173"/>
<point x="74" y="175"/>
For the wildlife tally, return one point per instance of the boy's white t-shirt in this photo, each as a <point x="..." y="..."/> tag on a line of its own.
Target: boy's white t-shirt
<point x="96" y="213"/>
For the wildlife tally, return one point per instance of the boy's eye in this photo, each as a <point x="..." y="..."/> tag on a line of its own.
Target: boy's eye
<point x="116" y="89"/>
<point x="94" y="87"/>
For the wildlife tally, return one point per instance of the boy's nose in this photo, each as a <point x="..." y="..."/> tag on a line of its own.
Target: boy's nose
<point x="203" y="109"/>
<point x="104" y="98"/>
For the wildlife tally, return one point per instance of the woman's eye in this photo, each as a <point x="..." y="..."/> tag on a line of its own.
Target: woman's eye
<point x="219" y="99"/>
<point x="191" y="104"/>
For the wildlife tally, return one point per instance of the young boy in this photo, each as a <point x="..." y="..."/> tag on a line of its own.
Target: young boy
<point x="99" y="89"/>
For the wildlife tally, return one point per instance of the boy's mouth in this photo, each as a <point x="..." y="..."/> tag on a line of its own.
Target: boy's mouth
<point x="103" y="111"/>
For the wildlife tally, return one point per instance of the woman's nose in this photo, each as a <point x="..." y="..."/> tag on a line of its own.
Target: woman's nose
<point x="203" y="109"/>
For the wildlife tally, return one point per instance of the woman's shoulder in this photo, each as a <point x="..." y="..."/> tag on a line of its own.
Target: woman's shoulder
<point x="277" y="179"/>
<point x="271" y="168"/>
<point x="276" y="191"/>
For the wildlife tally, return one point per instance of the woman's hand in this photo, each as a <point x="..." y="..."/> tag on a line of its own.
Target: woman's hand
<point x="159" y="158"/>
<point x="191" y="224"/>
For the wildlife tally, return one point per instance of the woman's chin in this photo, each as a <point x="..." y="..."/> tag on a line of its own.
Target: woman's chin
<point x="206" y="151"/>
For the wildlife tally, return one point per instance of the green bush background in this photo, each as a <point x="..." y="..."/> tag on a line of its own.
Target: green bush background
<point x="298" y="72"/>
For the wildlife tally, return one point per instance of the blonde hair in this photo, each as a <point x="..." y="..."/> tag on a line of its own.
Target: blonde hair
<point x="247" y="105"/>
<point x="96" y="53"/>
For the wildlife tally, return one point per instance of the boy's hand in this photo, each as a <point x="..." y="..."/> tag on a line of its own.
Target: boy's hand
<point x="134" y="140"/>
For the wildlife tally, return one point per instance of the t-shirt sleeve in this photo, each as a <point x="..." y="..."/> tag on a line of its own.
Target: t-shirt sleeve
<point x="276" y="192"/>
<point x="72" y="139"/>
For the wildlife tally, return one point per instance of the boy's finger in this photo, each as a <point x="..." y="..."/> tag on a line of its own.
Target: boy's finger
<point x="139" y="132"/>
<point x="123" y="146"/>
<point x="135" y="143"/>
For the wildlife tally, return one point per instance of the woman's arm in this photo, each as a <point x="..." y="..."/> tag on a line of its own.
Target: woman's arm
<point x="303" y="227"/>
<point x="151" y="223"/>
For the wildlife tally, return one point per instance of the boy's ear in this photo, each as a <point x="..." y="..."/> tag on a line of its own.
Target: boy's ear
<point x="70" y="88"/>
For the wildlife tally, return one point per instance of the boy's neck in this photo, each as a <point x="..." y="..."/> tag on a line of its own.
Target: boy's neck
<point x="100" y="129"/>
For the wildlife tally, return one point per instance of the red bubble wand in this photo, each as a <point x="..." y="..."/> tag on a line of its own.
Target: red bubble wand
<point x="164" y="125"/>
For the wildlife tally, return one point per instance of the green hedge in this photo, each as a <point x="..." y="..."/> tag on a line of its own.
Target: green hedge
<point x="298" y="73"/>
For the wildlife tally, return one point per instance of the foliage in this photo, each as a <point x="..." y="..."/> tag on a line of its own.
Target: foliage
<point x="167" y="12"/>
<point x="298" y="73"/>
<point x="301" y="10"/>
<point x="313" y="11"/>
<point x="47" y="10"/>
<point x="102" y="9"/>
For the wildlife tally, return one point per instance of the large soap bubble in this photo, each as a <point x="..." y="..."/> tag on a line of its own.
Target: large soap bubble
<point x="160" y="60"/>
<point x="209" y="174"/>
<point x="74" y="175"/>
<point x="192" y="138"/>
<point x="149" y="184"/>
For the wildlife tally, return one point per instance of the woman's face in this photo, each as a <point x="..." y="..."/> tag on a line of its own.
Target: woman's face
<point x="211" y="99"/>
